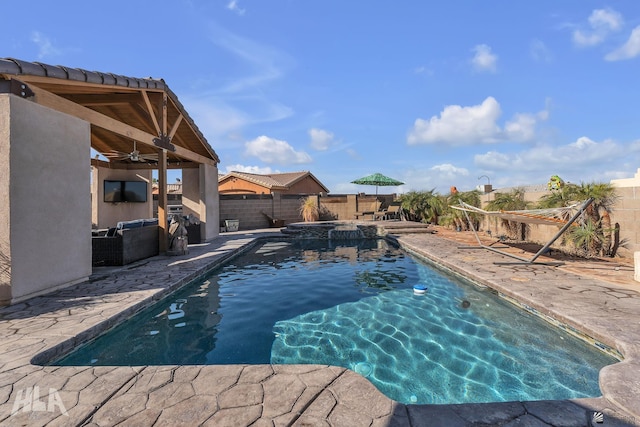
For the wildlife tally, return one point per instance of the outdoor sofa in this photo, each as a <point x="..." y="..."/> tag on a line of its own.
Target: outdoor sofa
<point x="127" y="242"/>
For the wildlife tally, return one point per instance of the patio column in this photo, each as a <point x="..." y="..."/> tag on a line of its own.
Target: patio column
<point x="162" y="201"/>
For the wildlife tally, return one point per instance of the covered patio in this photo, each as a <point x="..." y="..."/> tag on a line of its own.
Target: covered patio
<point x="63" y="132"/>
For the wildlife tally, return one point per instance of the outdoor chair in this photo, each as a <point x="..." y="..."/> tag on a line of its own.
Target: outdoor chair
<point x="393" y="212"/>
<point x="371" y="208"/>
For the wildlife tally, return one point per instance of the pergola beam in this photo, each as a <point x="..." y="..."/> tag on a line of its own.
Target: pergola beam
<point x="51" y="100"/>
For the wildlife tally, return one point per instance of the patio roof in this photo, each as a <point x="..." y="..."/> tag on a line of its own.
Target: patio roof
<point x="121" y="110"/>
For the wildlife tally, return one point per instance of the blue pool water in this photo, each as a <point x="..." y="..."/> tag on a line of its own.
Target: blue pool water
<point x="354" y="306"/>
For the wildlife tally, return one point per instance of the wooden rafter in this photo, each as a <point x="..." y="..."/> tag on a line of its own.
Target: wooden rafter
<point x="152" y="114"/>
<point x="59" y="103"/>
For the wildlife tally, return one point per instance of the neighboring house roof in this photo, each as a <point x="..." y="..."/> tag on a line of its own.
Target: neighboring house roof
<point x="122" y="110"/>
<point x="274" y="181"/>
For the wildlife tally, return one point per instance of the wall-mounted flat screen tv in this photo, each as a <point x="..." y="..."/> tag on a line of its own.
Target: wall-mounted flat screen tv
<point x="125" y="191"/>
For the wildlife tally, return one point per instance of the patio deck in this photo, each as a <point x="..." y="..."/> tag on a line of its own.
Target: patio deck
<point x="601" y="301"/>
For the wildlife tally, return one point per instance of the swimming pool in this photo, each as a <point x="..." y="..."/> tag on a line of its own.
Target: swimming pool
<point x="354" y="306"/>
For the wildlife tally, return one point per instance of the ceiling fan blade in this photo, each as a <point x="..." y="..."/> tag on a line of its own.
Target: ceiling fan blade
<point x="116" y="155"/>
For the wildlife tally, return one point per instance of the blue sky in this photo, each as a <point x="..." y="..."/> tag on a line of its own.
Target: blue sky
<point x="435" y="94"/>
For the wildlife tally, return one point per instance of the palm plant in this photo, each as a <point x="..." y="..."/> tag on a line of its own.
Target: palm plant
<point x="457" y="217"/>
<point x="598" y="214"/>
<point x="422" y="206"/>
<point x="604" y="197"/>
<point x="588" y="239"/>
<point x="512" y="201"/>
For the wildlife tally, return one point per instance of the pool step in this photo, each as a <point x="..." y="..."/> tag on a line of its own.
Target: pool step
<point x="406" y="227"/>
<point x="322" y="230"/>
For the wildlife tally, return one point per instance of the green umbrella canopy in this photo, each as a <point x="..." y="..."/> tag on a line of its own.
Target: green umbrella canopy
<point x="377" y="179"/>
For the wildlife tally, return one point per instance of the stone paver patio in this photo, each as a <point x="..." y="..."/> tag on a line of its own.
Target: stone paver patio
<point x="606" y="307"/>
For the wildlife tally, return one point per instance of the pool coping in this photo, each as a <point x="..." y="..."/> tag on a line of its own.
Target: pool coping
<point x="242" y="394"/>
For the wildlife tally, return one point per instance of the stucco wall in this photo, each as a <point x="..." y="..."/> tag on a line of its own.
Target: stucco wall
<point x="234" y="185"/>
<point x="238" y="186"/>
<point x="626" y="213"/>
<point x="104" y="214"/>
<point x="45" y="209"/>
<point x="5" y="207"/>
<point x="207" y="195"/>
<point x="307" y="185"/>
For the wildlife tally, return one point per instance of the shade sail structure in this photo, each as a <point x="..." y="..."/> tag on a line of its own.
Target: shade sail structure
<point x="378" y="180"/>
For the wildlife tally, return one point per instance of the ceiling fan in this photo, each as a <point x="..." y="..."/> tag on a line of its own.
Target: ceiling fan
<point x="134" y="156"/>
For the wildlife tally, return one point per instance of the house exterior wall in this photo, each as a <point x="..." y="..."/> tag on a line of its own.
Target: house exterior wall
<point x="307" y="185"/>
<point x="106" y="214"/>
<point x="626" y="213"/>
<point x="45" y="209"/>
<point x="234" y="185"/>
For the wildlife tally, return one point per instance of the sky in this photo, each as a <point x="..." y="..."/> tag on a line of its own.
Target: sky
<point x="434" y="94"/>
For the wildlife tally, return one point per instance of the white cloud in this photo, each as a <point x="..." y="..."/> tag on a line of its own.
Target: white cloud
<point x="422" y="70"/>
<point x="449" y="173"/>
<point x="459" y="125"/>
<point x="629" y="50"/>
<point x="601" y="22"/>
<point x="321" y="140"/>
<point x="271" y="150"/>
<point x="439" y="177"/>
<point x="250" y="169"/>
<point x="521" y="128"/>
<point x="45" y="46"/>
<point x="265" y="63"/>
<point x="484" y="60"/>
<point x="579" y="159"/>
<point x="493" y="160"/>
<point x="215" y="119"/>
<point x="477" y="124"/>
<point x="353" y="154"/>
<point x="449" y="170"/>
<point x="234" y="7"/>
<point x="539" y="51"/>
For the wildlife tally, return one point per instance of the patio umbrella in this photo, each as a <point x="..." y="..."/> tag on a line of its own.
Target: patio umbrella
<point x="377" y="179"/>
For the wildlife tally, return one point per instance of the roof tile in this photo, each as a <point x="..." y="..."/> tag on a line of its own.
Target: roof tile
<point x="18" y="67"/>
<point x="52" y="71"/>
<point x="75" y="74"/>
<point x="9" y="66"/>
<point x="274" y="181"/>
<point x="30" y="68"/>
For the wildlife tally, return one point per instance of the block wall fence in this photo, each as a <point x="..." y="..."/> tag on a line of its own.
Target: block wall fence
<point x="250" y="210"/>
<point x="254" y="210"/>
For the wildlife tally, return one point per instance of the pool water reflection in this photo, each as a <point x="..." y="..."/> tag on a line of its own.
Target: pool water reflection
<point x="354" y="306"/>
